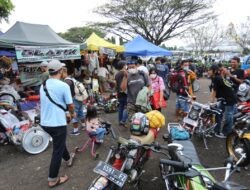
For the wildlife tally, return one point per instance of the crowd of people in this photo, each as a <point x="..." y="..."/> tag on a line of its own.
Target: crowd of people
<point x="140" y="87"/>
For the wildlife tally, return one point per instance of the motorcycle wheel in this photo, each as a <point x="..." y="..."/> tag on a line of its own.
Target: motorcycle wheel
<point x="234" y="142"/>
<point x="196" y="86"/>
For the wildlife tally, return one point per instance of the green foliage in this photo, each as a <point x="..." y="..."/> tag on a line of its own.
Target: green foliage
<point x="80" y="34"/>
<point x="156" y="21"/>
<point x="168" y="47"/>
<point x="6" y="7"/>
<point x="112" y="40"/>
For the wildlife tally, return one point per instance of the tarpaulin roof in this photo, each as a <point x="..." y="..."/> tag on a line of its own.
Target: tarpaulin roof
<point x="7" y="53"/>
<point x="141" y="47"/>
<point x="94" y="42"/>
<point x="32" y="35"/>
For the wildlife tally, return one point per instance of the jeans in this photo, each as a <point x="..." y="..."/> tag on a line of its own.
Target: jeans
<point x="79" y="111"/>
<point x="229" y="112"/>
<point x="121" y="110"/>
<point x="181" y="104"/>
<point x="60" y="151"/>
<point x="99" y="133"/>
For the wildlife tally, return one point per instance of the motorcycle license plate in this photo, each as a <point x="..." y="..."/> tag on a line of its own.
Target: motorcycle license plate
<point x="190" y="122"/>
<point x="108" y="171"/>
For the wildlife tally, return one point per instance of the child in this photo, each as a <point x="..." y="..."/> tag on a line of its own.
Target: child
<point x="93" y="125"/>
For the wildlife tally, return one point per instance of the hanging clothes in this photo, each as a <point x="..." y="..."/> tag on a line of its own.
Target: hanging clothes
<point x="93" y="62"/>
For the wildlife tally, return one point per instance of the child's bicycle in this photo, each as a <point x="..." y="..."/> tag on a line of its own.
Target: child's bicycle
<point x="93" y="141"/>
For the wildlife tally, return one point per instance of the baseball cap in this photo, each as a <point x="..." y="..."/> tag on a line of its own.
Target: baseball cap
<point x="55" y="65"/>
<point x="44" y="64"/>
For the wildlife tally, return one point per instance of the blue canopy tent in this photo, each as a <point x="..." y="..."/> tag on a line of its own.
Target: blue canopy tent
<point x="7" y="53"/>
<point x="141" y="47"/>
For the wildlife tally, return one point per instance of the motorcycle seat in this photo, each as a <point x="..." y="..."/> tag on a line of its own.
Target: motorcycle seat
<point x="146" y="139"/>
<point x="189" y="154"/>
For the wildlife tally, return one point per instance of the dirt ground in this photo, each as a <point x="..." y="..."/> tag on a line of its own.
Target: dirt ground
<point x="21" y="171"/>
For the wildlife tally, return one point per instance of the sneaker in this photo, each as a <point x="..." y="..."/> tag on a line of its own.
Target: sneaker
<point x="76" y="133"/>
<point x="220" y="135"/>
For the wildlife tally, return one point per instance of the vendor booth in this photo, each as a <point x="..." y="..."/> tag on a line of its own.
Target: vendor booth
<point x="141" y="47"/>
<point x="95" y="43"/>
<point x="34" y="43"/>
<point x="25" y="46"/>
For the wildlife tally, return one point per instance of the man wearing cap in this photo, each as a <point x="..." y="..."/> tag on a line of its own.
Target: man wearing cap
<point x="44" y="69"/>
<point x="56" y="99"/>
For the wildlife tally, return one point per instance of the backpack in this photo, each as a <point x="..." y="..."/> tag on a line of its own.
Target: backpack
<point x="79" y="89"/>
<point x="178" y="82"/>
<point x="173" y="80"/>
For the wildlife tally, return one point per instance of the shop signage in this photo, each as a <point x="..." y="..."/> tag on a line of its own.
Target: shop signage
<point x="45" y="53"/>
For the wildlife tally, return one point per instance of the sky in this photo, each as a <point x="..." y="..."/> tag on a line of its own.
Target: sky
<point x="61" y="15"/>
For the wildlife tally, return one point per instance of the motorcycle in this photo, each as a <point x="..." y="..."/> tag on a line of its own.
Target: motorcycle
<point x="125" y="162"/>
<point x="200" y="119"/>
<point x="183" y="169"/>
<point x="238" y="142"/>
<point x="109" y="104"/>
<point x="243" y="92"/>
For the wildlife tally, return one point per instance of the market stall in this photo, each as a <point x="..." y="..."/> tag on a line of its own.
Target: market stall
<point x="141" y="47"/>
<point x="95" y="43"/>
<point x="34" y="43"/>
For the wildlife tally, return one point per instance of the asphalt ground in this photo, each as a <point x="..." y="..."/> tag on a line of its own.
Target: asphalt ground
<point x="22" y="171"/>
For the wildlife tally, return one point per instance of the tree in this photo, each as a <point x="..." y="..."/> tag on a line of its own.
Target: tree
<point x="156" y="21"/>
<point x="241" y="34"/>
<point x="80" y="34"/>
<point x="6" y="7"/>
<point x="205" y="37"/>
<point x="111" y="40"/>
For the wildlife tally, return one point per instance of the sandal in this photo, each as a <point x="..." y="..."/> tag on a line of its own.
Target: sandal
<point x="59" y="181"/>
<point x="71" y="160"/>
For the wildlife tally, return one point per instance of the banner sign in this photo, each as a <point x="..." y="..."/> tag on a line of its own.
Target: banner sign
<point x="45" y="53"/>
<point x="30" y="74"/>
<point x="108" y="51"/>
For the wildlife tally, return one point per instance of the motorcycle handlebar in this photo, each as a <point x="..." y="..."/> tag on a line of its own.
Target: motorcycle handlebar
<point x="154" y="147"/>
<point x="177" y="164"/>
